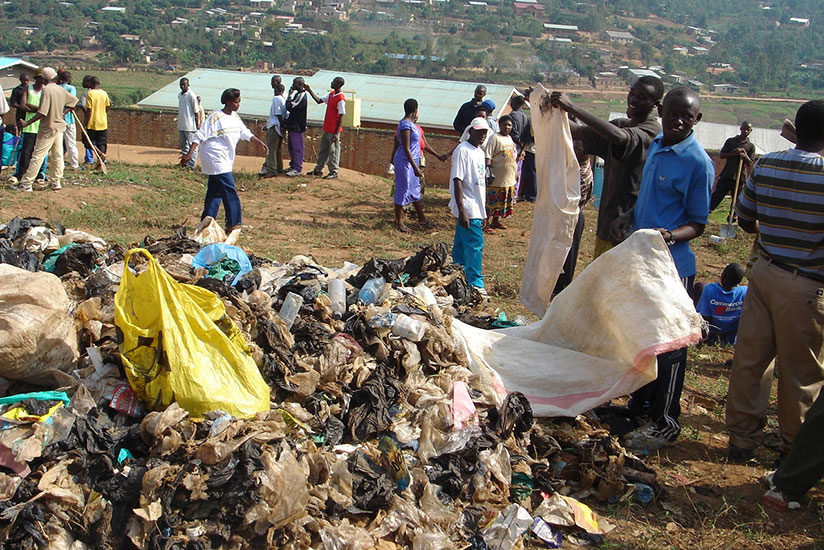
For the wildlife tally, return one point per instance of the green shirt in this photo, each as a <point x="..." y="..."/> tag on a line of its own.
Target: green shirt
<point x="33" y="98"/>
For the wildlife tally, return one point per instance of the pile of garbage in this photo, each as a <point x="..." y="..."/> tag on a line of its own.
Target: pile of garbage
<point x="369" y="431"/>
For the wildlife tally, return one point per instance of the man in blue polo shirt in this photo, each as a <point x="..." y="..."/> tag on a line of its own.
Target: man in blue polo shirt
<point x="674" y="199"/>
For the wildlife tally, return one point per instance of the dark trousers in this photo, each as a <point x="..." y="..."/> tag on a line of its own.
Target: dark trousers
<point x="572" y="257"/>
<point x="98" y="138"/>
<point x="529" y="178"/>
<point x="660" y="400"/>
<point x="26" y="149"/>
<point x="722" y="189"/>
<point x="804" y="466"/>
<point x="221" y="189"/>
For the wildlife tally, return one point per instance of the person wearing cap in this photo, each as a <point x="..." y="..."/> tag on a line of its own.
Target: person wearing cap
<point x="55" y="102"/>
<point x="467" y="190"/>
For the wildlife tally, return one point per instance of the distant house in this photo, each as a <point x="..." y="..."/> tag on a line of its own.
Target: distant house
<point x="261" y="4"/>
<point x="798" y="22"/>
<point x="565" y="31"/>
<point x="475" y="4"/>
<point x="529" y="8"/>
<point x="113" y="9"/>
<point x="678" y="78"/>
<point x="631" y="75"/>
<point x="607" y="79"/>
<point x="724" y="88"/>
<point x="10" y="69"/>
<point x="697" y="84"/>
<point x="620" y="37"/>
<point x="89" y="42"/>
<point x="27" y="31"/>
<point x="699" y="50"/>
<point x="563" y="43"/>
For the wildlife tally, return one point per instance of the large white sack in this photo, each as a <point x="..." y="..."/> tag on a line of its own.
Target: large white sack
<point x="38" y="339"/>
<point x="556" y="208"/>
<point x="598" y="339"/>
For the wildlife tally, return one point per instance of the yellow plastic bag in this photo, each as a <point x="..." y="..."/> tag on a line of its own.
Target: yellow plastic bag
<point x="178" y="345"/>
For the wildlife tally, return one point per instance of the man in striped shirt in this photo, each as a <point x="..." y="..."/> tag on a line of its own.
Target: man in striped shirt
<point x="783" y="313"/>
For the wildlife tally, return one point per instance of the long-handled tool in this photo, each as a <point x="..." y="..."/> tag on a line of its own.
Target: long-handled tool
<point x="100" y="157"/>
<point x="729" y="229"/>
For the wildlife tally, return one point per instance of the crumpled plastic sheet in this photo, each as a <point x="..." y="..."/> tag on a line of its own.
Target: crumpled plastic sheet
<point x="372" y="441"/>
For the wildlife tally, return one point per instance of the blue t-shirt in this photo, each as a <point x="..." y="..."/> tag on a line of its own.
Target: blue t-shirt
<point x="675" y="190"/>
<point x="722" y="307"/>
<point x="69" y="117"/>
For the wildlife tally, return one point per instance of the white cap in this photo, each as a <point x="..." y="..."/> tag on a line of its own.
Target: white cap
<point x="479" y="123"/>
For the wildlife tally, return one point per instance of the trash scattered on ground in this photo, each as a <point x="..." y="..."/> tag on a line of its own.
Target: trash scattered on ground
<point x="365" y="427"/>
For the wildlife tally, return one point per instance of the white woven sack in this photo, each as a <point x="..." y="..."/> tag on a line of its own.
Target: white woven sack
<point x="598" y="339"/>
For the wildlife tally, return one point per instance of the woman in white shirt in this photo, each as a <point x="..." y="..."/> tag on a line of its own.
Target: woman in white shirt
<point x="216" y="141"/>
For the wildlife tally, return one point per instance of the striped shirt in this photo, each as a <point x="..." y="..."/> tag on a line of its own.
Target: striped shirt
<point x="785" y="194"/>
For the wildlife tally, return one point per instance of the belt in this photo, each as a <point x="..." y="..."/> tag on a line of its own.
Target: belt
<point x="795" y="271"/>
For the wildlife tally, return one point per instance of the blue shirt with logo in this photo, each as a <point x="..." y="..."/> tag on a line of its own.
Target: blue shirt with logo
<point x="722" y="307"/>
<point x="675" y="190"/>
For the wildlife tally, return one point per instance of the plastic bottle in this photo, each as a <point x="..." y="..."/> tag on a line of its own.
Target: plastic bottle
<point x="383" y="320"/>
<point x="644" y="493"/>
<point x="409" y="328"/>
<point x="291" y="307"/>
<point x="337" y="295"/>
<point x="371" y="290"/>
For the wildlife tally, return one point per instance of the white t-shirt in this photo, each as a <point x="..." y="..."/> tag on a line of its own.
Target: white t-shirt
<point x="187" y="109"/>
<point x="469" y="166"/>
<point x="278" y="108"/>
<point x="218" y="137"/>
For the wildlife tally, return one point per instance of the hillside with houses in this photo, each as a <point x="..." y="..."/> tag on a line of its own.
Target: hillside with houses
<point x="747" y="48"/>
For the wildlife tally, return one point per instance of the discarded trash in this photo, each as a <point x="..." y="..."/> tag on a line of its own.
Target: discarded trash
<point x="179" y="346"/>
<point x="371" y="291"/>
<point x="337" y="295"/>
<point x="542" y="530"/>
<point x="291" y="307"/>
<point x="644" y="493"/>
<point x="507" y="528"/>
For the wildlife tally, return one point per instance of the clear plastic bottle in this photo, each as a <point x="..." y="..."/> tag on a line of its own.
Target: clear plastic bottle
<point x="337" y="295"/>
<point x="371" y="290"/>
<point x="291" y="306"/>
<point x="409" y="328"/>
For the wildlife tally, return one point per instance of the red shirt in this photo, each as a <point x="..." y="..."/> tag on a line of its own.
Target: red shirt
<point x="331" y="119"/>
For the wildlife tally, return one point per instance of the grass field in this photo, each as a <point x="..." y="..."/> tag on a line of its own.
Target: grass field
<point x="129" y="87"/>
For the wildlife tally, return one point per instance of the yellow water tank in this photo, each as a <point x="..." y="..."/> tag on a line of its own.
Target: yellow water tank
<point x="353" y="111"/>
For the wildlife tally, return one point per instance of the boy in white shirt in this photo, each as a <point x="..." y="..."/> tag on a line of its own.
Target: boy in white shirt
<point x="273" y="165"/>
<point x="467" y="189"/>
<point x="187" y="119"/>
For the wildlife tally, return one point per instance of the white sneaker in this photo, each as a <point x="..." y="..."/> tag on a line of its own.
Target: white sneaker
<point x="481" y="292"/>
<point x="55" y="185"/>
<point x="12" y="180"/>
<point x="24" y="188"/>
<point x="292" y="173"/>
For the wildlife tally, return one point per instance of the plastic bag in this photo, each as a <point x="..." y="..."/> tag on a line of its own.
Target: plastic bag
<point x="180" y="346"/>
<point x="212" y="254"/>
<point x="38" y="340"/>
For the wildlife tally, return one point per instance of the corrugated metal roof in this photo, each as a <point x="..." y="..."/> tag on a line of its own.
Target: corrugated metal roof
<point x="6" y="62"/>
<point x="381" y="96"/>
<point x="712" y="136"/>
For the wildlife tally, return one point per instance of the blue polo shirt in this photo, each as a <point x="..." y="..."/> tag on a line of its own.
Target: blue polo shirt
<point x="675" y="190"/>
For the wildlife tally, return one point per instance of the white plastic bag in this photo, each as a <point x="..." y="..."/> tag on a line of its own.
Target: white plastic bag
<point x="38" y="339"/>
<point x="599" y="338"/>
<point x="556" y="208"/>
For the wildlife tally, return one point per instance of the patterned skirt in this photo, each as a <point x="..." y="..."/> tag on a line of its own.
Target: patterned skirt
<point x="499" y="201"/>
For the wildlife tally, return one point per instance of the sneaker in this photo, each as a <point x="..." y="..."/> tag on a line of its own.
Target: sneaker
<point x="738" y="455"/>
<point x="54" y="186"/>
<point x="777" y="500"/>
<point x="292" y="173"/>
<point x="263" y="172"/>
<point x="24" y="188"/>
<point x="314" y="173"/>
<point x="12" y="181"/>
<point x="481" y="292"/>
<point x="331" y="176"/>
<point x="647" y="438"/>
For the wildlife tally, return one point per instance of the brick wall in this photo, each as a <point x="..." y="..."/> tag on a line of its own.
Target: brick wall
<point x="366" y="150"/>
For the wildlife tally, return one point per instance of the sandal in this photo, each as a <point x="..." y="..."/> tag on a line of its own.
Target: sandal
<point x="403" y="228"/>
<point x="498" y="226"/>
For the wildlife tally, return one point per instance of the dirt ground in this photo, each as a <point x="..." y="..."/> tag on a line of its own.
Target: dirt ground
<point x="708" y="503"/>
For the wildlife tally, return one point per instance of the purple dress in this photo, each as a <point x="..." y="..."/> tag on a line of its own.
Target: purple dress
<point x="407" y="184"/>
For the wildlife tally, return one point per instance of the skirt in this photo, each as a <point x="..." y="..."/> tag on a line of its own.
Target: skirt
<point x="499" y="201"/>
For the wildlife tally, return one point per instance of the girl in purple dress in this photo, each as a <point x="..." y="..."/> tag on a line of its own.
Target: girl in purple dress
<point x="406" y="156"/>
